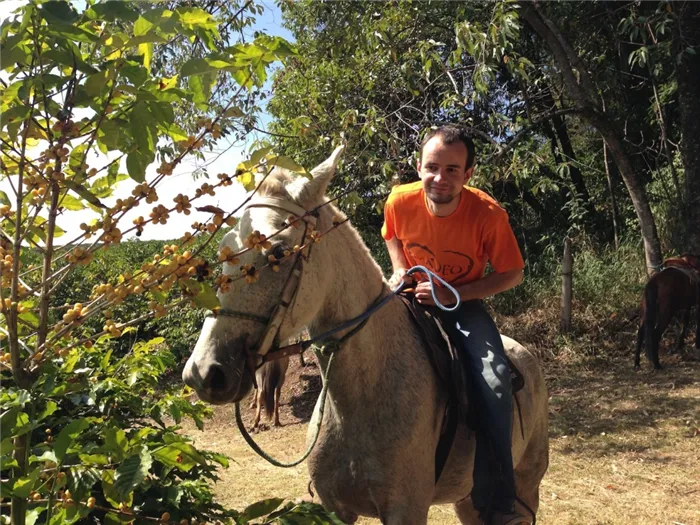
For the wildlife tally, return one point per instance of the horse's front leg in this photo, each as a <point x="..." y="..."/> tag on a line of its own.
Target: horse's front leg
<point x="684" y="331"/>
<point x="409" y="515"/>
<point x="640" y="341"/>
<point x="409" y="502"/>
<point x="697" y="321"/>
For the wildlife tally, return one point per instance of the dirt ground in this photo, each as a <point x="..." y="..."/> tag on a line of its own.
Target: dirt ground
<point x="624" y="445"/>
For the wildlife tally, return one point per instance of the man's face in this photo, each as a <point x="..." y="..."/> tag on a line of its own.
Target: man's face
<point x="443" y="170"/>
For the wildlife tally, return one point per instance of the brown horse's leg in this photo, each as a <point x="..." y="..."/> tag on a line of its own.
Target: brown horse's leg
<point x="684" y="330"/>
<point x="277" y="406"/>
<point x="662" y="323"/>
<point x="258" y="411"/>
<point x="653" y="324"/>
<point x="697" y="316"/>
<point x="640" y="341"/>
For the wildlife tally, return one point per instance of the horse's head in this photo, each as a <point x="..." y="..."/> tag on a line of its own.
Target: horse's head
<point x="254" y="314"/>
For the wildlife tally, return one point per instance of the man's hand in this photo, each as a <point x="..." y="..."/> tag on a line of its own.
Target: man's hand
<point x="398" y="277"/>
<point x="424" y="295"/>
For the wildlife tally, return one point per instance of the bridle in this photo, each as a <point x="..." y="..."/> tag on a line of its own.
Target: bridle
<point x="261" y="354"/>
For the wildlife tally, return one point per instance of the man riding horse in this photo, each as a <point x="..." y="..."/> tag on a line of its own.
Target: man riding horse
<point x="455" y="231"/>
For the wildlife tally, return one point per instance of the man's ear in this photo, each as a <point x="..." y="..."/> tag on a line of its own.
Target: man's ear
<point x="468" y="174"/>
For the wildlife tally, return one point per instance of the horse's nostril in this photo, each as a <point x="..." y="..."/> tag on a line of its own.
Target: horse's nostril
<point x="216" y="379"/>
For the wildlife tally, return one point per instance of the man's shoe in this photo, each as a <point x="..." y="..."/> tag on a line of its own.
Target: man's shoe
<point x="508" y="518"/>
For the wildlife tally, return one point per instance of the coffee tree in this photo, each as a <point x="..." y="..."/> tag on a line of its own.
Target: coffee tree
<point x="88" y="431"/>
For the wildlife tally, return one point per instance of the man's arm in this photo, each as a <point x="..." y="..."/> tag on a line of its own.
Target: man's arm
<point x="492" y="284"/>
<point x="398" y="260"/>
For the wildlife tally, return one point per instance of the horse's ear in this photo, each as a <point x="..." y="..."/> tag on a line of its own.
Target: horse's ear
<point x="314" y="189"/>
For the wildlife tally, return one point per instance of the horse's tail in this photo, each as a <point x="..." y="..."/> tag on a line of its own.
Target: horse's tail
<point x="651" y="305"/>
<point x="272" y="378"/>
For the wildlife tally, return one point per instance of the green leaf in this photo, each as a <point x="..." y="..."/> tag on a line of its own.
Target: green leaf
<point x="116" y="442"/>
<point x="200" y="66"/>
<point x="182" y="456"/>
<point x="132" y="471"/>
<point x="162" y="113"/>
<point x="247" y="179"/>
<point x="84" y="193"/>
<point x="97" y="83"/>
<point x="142" y="26"/>
<point x="24" y="485"/>
<point x="195" y="17"/>
<point x="146" y="50"/>
<point x="206" y="298"/>
<point x="136" y="164"/>
<point x="81" y="480"/>
<point x="286" y="163"/>
<point x="135" y="73"/>
<point x="261" y="508"/>
<point x="258" y="155"/>
<point x="115" y="10"/>
<point x="4" y="199"/>
<point x="71" y="203"/>
<point x="143" y="128"/>
<point x="33" y="515"/>
<point x="200" y="85"/>
<point x="110" y="492"/>
<point x="58" y="12"/>
<point x="73" y="33"/>
<point x="49" y="409"/>
<point x="94" y="459"/>
<point x="8" y="462"/>
<point x="67" y="436"/>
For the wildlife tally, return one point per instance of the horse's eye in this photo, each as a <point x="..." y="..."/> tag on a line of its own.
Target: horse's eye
<point x="280" y="251"/>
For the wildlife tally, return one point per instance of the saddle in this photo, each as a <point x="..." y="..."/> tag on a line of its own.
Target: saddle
<point x="681" y="264"/>
<point x="446" y="362"/>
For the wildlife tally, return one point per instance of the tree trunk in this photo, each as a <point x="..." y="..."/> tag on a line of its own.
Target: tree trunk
<point x="613" y="202"/>
<point x="687" y="36"/>
<point x="567" y="269"/>
<point x="581" y="90"/>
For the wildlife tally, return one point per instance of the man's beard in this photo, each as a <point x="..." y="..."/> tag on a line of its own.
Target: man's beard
<point x="443" y="198"/>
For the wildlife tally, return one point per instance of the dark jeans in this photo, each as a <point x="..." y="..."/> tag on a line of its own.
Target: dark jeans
<point x="481" y="350"/>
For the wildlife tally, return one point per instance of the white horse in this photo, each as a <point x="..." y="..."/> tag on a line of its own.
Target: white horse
<point x="375" y="455"/>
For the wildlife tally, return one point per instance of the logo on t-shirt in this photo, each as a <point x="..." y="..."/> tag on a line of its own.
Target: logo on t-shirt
<point x="448" y="264"/>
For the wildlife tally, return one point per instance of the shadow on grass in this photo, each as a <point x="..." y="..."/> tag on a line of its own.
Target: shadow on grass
<point x="610" y="408"/>
<point x="303" y="403"/>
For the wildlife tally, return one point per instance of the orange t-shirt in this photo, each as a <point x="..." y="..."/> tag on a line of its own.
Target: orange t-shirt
<point x="456" y="247"/>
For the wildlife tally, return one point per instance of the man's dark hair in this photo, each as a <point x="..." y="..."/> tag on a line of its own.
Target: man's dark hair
<point x="450" y="134"/>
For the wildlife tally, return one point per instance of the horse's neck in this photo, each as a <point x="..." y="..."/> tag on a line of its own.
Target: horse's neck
<point x="355" y="284"/>
<point x="351" y="279"/>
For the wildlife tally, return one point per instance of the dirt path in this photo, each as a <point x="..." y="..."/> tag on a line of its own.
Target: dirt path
<point x="625" y="446"/>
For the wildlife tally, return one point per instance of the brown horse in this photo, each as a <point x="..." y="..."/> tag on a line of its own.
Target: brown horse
<point x="675" y="288"/>
<point x="270" y="378"/>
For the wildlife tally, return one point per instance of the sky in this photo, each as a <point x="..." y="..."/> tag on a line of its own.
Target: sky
<point x="223" y="159"/>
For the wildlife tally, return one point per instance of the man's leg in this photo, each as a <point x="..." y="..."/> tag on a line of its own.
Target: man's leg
<point x="472" y="328"/>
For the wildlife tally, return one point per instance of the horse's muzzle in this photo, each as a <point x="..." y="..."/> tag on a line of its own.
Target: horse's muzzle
<point x="216" y="383"/>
